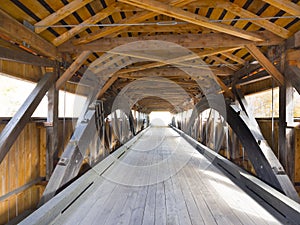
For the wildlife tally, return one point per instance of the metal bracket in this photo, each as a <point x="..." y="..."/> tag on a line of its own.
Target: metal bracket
<point x="63" y="161"/>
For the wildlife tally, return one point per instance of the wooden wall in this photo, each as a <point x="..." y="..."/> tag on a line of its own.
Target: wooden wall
<point x="297" y="159"/>
<point x="24" y="168"/>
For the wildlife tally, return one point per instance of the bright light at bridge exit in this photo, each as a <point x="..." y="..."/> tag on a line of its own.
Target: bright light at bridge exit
<point x="160" y="118"/>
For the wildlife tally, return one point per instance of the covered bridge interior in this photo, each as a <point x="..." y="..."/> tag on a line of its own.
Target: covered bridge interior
<point x="205" y="62"/>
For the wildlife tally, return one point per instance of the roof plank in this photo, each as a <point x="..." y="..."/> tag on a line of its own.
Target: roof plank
<point x="272" y="27"/>
<point x="234" y="58"/>
<point x="60" y="14"/>
<point x="286" y="6"/>
<point x="82" y="26"/>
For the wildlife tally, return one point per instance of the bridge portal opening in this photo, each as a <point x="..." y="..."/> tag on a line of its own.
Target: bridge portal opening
<point x="160" y="118"/>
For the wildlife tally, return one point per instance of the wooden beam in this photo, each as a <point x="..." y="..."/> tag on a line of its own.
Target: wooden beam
<point x="264" y="61"/>
<point x="234" y="57"/>
<point x="292" y="57"/>
<point x="198" y="54"/>
<point x="224" y="62"/>
<point x="181" y="14"/>
<point x="73" y="155"/>
<point x="292" y="73"/>
<point x="73" y="68"/>
<point x="191" y="41"/>
<point x="285" y="128"/>
<point x="107" y="85"/>
<point x="82" y="26"/>
<point x="59" y="14"/>
<point x="14" y="127"/>
<point x="226" y="90"/>
<point x="178" y="61"/>
<point x="24" y="57"/>
<point x="17" y="32"/>
<point x="285" y="5"/>
<point x="136" y="18"/>
<point x="168" y="72"/>
<point x="179" y="28"/>
<point x="52" y="130"/>
<point x="243" y="13"/>
<point x="294" y="41"/>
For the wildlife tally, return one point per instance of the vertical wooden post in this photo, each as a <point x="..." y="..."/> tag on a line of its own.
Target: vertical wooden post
<point x="52" y="129"/>
<point x="286" y="146"/>
<point x="286" y="119"/>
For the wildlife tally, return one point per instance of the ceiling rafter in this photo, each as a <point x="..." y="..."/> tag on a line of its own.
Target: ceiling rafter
<point x="224" y="62"/>
<point x="234" y="58"/>
<point x="136" y="18"/>
<point x="181" y="14"/>
<point x="198" y="54"/>
<point x="264" y="61"/>
<point x="153" y="58"/>
<point x="243" y="13"/>
<point x="285" y="5"/>
<point x="60" y="14"/>
<point x="81" y="27"/>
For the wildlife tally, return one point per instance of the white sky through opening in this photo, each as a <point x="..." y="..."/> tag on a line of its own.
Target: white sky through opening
<point x="160" y="118"/>
<point x="13" y="93"/>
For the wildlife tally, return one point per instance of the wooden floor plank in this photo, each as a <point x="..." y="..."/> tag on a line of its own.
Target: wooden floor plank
<point x="149" y="185"/>
<point x="183" y="215"/>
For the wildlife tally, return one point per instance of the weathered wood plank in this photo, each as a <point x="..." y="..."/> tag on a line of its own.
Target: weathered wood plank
<point x="92" y="20"/>
<point x="24" y="57"/>
<point x="59" y="14"/>
<point x="243" y="13"/>
<point x="286" y="6"/>
<point x="191" y="41"/>
<point x="52" y="129"/>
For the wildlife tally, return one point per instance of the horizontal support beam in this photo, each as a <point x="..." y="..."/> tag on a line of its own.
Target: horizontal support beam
<point x="21" y="189"/>
<point x="14" y="127"/>
<point x="168" y="72"/>
<point x="24" y="57"/>
<point x="17" y="32"/>
<point x="254" y="78"/>
<point x="191" y="41"/>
